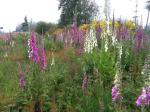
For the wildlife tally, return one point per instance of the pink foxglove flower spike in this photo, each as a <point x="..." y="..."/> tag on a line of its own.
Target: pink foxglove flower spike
<point x="33" y="50"/>
<point x="21" y="79"/>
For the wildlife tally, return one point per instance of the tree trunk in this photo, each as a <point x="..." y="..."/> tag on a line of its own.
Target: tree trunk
<point x="147" y="19"/>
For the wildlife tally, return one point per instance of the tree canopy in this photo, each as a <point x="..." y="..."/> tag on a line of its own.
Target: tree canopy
<point x="81" y="10"/>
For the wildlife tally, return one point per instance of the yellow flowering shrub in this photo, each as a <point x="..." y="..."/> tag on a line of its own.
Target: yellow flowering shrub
<point x="103" y="24"/>
<point x="84" y="27"/>
<point x="130" y="25"/>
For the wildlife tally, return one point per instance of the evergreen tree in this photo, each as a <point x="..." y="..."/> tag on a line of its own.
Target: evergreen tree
<point x="25" y="25"/>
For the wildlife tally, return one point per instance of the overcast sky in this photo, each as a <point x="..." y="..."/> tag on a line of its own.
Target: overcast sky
<point x="14" y="11"/>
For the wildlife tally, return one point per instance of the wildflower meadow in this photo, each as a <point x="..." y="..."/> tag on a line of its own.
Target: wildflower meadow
<point x="98" y="66"/>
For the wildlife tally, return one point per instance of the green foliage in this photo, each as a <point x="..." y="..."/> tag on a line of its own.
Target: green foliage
<point x="8" y="83"/>
<point x="104" y="62"/>
<point x="43" y="27"/>
<point x="52" y="45"/>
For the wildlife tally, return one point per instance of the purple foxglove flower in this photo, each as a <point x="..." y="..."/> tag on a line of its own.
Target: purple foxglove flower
<point x="140" y="33"/>
<point x="122" y="32"/>
<point x="21" y="79"/>
<point x="42" y="59"/>
<point x="139" y="37"/>
<point x="116" y="96"/>
<point x="33" y="50"/>
<point x="143" y="99"/>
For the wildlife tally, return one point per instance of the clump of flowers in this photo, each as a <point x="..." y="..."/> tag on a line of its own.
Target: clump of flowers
<point x="33" y="50"/>
<point x="36" y="54"/>
<point x="76" y="37"/>
<point x="90" y="40"/>
<point x="122" y="32"/>
<point x="144" y="99"/>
